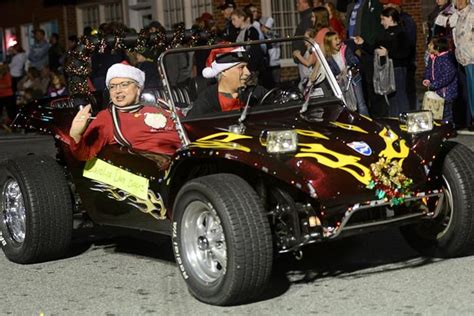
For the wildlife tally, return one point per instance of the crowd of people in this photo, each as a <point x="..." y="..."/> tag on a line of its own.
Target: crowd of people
<point x="350" y="35"/>
<point x="382" y="30"/>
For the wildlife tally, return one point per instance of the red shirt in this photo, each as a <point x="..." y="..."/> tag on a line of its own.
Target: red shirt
<point x="6" y="85"/>
<point x="150" y="129"/>
<point x="228" y="103"/>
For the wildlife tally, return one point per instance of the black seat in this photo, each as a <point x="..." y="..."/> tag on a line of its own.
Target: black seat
<point x="180" y="96"/>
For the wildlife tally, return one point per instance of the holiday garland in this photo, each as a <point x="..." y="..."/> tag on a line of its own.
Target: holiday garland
<point x="389" y="181"/>
<point x="77" y="66"/>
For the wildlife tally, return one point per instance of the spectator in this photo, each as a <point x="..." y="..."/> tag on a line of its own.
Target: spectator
<point x="146" y="63"/>
<point x="179" y="65"/>
<point x="155" y="26"/>
<point x="32" y="84"/>
<point x="304" y="8"/>
<point x="438" y="25"/>
<point x="273" y="51"/>
<point x="38" y="55"/>
<point x="7" y="98"/>
<point x="100" y="62"/>
<point x="318" y="3"/>
<point x="464" y="41"/>
<point x="305" y="59"/>
<point x="57" y="85"/>
<point x="230" y="32"/>
<point x="409" y="26"/>
<point x="394" y="43"/>
<point x="441" y="74"/>
<point x="55" y="53"/>
<point x="253" y="10"/>
<point x="320" y="19"/>
<point x="87" y="31"/>
<point x="205" y="23"/>
<point x="363" y="19"/>
<point x="17" y="65"/>
<point x="340" y="59"/>
<point x="335" y="20"/>
<point x="72" y="42"/>
<point x="242" y="20"/>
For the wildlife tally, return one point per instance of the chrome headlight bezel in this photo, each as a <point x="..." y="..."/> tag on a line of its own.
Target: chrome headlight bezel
<point x="284" y="141"/>
<point x="418" y="122"/>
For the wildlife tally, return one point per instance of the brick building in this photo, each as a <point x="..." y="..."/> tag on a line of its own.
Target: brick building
<point x="67" y="17"/>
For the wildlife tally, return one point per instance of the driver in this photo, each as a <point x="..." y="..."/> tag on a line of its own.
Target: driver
<point x="229" y="66"/>
<point x="126" y="121"/>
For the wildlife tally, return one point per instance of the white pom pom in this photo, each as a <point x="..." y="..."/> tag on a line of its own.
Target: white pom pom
<point x="208" y="72"/>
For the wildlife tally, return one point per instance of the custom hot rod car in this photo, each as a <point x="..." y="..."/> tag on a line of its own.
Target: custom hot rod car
<point x="293" y="169"/>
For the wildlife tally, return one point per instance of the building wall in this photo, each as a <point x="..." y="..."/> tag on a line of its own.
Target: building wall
<point x="19" y="12"/>
<point x="415" y="9"/>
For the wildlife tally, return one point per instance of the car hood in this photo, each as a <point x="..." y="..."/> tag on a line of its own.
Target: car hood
<point x="336" y="150"/>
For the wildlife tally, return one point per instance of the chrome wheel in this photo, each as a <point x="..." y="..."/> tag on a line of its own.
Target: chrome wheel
<point x="14" y="212"/>
<point x="446" y="215"/>
<point x="203" y="242"/>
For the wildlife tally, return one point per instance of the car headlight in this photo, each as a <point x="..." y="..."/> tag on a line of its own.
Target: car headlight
<point x="418" y="122"/>
<point x="281" y="141"/>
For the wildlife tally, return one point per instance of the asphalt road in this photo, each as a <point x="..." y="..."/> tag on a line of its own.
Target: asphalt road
<point x="375" y="274"/>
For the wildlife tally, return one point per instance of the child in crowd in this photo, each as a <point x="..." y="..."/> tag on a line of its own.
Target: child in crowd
<point x="57" y="85"/>
<point x="341" y="59"/>
<point x="306" y="59"/>
<point x="441" y="74"/>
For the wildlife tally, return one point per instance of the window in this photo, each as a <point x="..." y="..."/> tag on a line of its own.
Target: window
<point x="286" y="19"/>
<point x="201" y="6"/>
<point x="90" y="16"/>
<point x="113" y="12"/>
<point x="174" y="12"/>
<point x="94" y="15"/>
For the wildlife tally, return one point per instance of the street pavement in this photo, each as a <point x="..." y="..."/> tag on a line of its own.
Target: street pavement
<point x="374" y="274"/>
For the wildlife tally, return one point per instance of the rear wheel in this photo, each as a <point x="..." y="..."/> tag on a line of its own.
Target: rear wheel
<point x="35" y="210"/>
<point x="222" y="239"/>
<point x="451" y="234"/>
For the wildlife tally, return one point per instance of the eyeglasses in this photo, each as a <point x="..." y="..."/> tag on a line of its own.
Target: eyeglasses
<point x="123" y="85"/>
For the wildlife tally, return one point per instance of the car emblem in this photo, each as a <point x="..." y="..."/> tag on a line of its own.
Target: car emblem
<point x="361" y="147"/>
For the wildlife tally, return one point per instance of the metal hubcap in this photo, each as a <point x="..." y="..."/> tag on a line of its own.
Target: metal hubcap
<point x="204" y="242"/>
<point x="14" y="213"/>
<point x="446" y="216"/>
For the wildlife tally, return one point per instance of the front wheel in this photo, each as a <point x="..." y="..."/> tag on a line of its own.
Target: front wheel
<point x="35" y="210"/>
<point x="221" y="239"/>
<point x="451" y="234"/>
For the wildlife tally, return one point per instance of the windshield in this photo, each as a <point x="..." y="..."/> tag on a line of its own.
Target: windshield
<point x="241" y="79"/>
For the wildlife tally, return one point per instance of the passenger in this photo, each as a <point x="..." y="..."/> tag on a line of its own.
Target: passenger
<point x="126" y="121"/>
<point x="229" y="67"/>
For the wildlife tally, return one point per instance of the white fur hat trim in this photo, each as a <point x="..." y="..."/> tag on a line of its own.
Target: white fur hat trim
<point x="125" y="71"/>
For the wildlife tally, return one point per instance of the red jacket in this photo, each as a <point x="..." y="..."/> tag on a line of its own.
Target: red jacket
<point x="6" y="85"/>
<point x="150" y="129"/>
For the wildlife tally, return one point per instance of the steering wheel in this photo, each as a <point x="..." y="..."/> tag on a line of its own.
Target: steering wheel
<point x="269" y="92"/>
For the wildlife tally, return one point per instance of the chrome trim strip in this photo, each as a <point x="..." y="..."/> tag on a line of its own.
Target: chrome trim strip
<point x="376" y="203"/>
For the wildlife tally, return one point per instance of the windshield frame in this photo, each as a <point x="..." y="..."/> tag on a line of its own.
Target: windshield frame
<point x="167" y="88"/>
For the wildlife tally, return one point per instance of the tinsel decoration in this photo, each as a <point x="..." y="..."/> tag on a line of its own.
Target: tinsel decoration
<point x="389" y="181"/>
<point x="77" y="65"/>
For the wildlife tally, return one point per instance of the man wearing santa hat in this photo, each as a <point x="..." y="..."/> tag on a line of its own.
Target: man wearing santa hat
<point x="229" y="67"/>
<point x="126" y="121"/>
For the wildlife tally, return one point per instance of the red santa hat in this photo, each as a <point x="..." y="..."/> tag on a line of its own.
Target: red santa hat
<point x="221" y="59"/>
<point x="395" y="2"/>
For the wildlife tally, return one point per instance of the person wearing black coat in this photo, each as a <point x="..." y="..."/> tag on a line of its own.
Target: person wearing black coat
<point x="395" y="44"/>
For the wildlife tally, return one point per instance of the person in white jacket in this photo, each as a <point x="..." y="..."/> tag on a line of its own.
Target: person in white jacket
<point x="464" y="41"/>
<point x="17" y="65"/>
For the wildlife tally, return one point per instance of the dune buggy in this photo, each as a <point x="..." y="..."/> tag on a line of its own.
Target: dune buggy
<point x="295" y="169"/>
